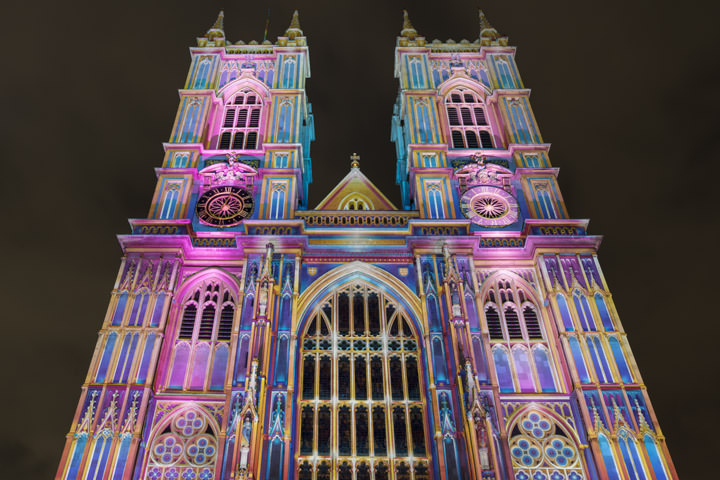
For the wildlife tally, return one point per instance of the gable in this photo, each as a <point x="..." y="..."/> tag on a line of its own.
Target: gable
<point x="355" y="191"/>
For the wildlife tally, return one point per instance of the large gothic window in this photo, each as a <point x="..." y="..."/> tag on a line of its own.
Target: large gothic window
<point x="240" y="127"/>
<point x="468" y="121"/>
<point x="360" y="394"/>
<point x="519" y="345"/>
<point x="202" y="343"/>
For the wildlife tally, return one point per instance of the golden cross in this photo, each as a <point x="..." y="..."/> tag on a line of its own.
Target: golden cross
<point x="355" y="160"/>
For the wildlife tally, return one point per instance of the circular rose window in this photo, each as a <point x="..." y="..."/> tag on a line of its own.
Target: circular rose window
<point x="489" y="206"/>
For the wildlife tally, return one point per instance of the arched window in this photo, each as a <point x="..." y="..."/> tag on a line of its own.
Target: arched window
<point x="468" y="121"/>
<point x="185" y="447"/>
<point x="169" y="202"/>
<point x="240" y="129"/>
<point x="540" y="448"/>
<point x="505" y="77"/>
<point x="277" y="201"/>
<point x="514" y="321"/>
<point x="564" y="312"/>
<point x="608" y="458"/>
<point x="200" y="354"/>
<point x="201" y="78"/>
<point x="435" y="207"/>
<point x="355" y="201"/>
<point x="620" y="361"/>
<point x="599" y="358"/>
<point x="579" y="359"/>
<point x="631" y="457"/>
<point x="582" y="307"/>
<point x="604" y="313"/>
<point x="656" y="459"/>
<point x="360" y="386"/>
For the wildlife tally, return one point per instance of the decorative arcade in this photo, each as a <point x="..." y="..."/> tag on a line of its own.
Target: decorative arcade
<point x="468" y="334"/>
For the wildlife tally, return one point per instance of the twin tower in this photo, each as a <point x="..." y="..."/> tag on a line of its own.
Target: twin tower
<point x="468" y="334"/>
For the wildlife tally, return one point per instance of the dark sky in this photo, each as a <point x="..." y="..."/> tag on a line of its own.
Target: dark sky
<point x="626" y="92"/>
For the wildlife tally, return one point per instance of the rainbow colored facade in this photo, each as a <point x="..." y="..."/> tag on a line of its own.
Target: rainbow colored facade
<point x="469" y="334"/>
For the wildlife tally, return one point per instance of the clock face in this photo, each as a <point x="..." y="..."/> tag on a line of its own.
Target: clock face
<point x="224" y="206"/>
<point x="489" y="206"/>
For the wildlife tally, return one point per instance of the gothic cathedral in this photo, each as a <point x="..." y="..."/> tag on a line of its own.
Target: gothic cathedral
<point x="468" y="333"/>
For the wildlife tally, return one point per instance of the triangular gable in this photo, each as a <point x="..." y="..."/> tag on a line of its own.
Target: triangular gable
<point x="355" y="185"/>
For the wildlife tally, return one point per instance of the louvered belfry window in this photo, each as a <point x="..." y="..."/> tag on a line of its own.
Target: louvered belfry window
<point x="240" y="129"/>
<point x="361" y="401"/>
<point x="467" y="119"/>
<point x="199" y="357"/>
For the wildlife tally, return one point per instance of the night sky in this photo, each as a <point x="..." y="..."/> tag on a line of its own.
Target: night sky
<point x="626" y="92"/>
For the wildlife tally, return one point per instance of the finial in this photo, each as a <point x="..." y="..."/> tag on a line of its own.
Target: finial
<point x="216" y="31"/>
<point x="354" y="160"/>
<point x="487" y="30"/>
<point x="408" y="30"/>
<point x="294" y="29"/>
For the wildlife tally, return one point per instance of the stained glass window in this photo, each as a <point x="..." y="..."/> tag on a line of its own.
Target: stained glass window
<point x="366" y="407"/>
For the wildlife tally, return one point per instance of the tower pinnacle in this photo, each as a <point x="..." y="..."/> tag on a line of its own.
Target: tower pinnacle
<point x="216" y="31"/>
<point x="294" y="29"/>
<point x="486" y="30"/>
<point x="488" y="34"/>
<point x="408" y="30"/>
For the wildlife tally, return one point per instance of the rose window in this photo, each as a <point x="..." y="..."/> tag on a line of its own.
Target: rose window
<point x="186" y="449"/>
<point x="489" y="206"/>
<point x="541" y="450"/>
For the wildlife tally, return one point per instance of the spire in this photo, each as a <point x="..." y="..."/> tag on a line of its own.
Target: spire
<point x="216" y="31"/>
<point x="408" y="30"/>
<point x="294" y="29"/>
<point x="487" y="30"/>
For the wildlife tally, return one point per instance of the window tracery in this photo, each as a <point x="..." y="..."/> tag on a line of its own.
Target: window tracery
<point x="519" y="346"/>
<point x="467" y="118"/>
<point x="202" y="345"/>
<point x="360" y="396"/>
<point x="186" y="448"/>
<point x="240" y="128"/>
<point x="541" y="449"/>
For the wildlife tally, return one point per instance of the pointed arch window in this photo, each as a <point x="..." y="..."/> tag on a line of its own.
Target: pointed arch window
<point x="524" y="363"/>
<point x="185" y="448"/>
<point x="202" y="346"/>
<point x="360" y="387"/>
<point x="656" y="458"/>
<point x="608" y="458"/>
<point x="240" y="127"/>
<point x="631" y="456"/>
<point x="542" y="449"/>
<point x="468" y="120"/>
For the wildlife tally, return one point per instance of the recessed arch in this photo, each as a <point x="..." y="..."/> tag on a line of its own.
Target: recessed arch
<point x="359" y="270"/>
<point x="190" y="282"/>
<point x="361" y="372"/>
<point x="227" y="92"/>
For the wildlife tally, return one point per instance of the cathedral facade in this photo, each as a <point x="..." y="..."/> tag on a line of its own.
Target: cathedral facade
<point x="468" y="333"/>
